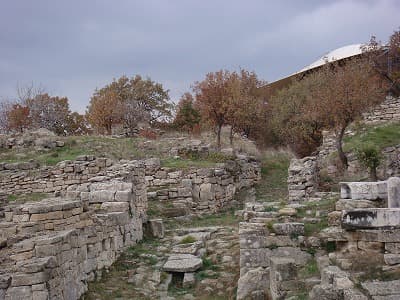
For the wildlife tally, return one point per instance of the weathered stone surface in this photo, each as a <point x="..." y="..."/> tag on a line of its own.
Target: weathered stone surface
<point x="254" y="280"/>
<point x="188" y="279"/>
<point x="382" y="288"/>
<point x="182" y="263"/>
<point x="300" y="257"/>
<point x="115" y="206"/>
<point x="370" y="246"/>
<point x="348" y="204"/>
<point x="393" y="186"/>
<point x="363" y="190"/>
<point x="282" y="272"/>
<point x="326" y="292"/>
<point x="287" y="211"/>
<point x="156" y="227"/>
<point x="371" y="218"/>
<point x="334" y="218"/>
<point x="288" y="228"/>
<point x="191" y="248"/>
<point x="393" y="247"/>
<point x="392" y="259"/>
<point x="353" y="294"/>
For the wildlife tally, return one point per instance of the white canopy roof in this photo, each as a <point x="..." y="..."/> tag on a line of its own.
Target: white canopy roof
<point x="337" y="54"/>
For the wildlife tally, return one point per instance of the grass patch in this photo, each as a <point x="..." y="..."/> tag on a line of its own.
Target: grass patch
<point x="195" y="161"/>
<point x="208" y="270"/>
<point x="309" y="270"/>
<point x="325" y="204"/>
<point x="313" y="228"/>
<point x="274" y="174"/>
<point x="227" y="218"/>
<point x="379" y="136"/>
<point x="100" y="146"/>
<point x="188" y="240"/>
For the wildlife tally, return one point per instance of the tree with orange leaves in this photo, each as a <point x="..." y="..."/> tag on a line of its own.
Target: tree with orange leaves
<point x="346" y="90"/>
<point x="213" y="97"/>
<point x="104" y="111"/>
<point x="18" y="118"/>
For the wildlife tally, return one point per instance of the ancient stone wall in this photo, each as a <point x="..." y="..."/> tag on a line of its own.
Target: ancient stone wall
<point x="24" y="178"/>
<point x="51" y="249"/>
<point x="303" y="178"/>
<point x="387" y="111"/>
<point x="200" y="191"/>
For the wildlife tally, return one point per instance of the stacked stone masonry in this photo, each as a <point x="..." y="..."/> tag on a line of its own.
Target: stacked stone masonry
<point x="51" y="249"/>
<point x="303" y="178"/>
<point x="200" y="191"/>
<point x="269" y="255"/>
<point x="363" y="227"/>
<point x="387" y="111"/>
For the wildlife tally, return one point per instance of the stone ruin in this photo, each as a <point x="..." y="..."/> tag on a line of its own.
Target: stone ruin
<point x="365" y="225"/>
<point x="39" y="139"/>
<point x="302" y="178"/>
<point x="52" y="248"/>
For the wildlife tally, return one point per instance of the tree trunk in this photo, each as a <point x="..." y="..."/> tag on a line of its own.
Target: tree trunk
<point x="219" y="128"/>
<point x="231" y="136"/>
<point x="339" y="147"/>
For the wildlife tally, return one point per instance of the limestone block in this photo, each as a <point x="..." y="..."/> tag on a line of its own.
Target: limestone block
<point x="282" y="270"/>
<point x="371" y="218"/>
<point x="334" y="218"/>
<point x="188" y="279"/>
<point x="393" y="247"/>
<point x="101" y="196"/>
<point x="354" y="294"/>
<point x="288" y="228"/>
<point x="182" y="263"/>
<point x="123" y="196"/>
<point x="382" y="288"/>
<point x="5" y="281"/>
<point x="20" y="279"/>
<point x="363" y="190"/>
<point x="330" y="273"/>
<point x="207" y="192"/>
<point x="19" y="292"/>
<point x="253" y="258"/>
<point x="115" y="206"/>
<point x="156" y="227"/>
<point x="253" y="240"/>
<point x="347" y="204"/>
<point x="370" y="246"/>
<point x="392" y="259"/>
<point x="393" y="186"/>
<point x="253" y="280"/>
<point x="326" y="292"/>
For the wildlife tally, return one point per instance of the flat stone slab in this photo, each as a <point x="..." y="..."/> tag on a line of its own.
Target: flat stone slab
<point x="370" y="218"/>
<point x="363" y="190"/>
<point x="382" y="288"/>
<point x="182" y="263"/>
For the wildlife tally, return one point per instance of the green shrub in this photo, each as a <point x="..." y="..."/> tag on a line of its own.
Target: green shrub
<point x="369" y="157"/>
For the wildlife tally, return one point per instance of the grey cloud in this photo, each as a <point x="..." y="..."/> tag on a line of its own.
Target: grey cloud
<point x="72" y="47"/>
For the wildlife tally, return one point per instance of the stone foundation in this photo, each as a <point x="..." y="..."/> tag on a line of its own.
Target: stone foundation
<point x="51" y="249"/>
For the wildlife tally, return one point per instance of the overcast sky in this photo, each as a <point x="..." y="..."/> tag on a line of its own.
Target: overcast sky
<point x="71" y="47"/>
